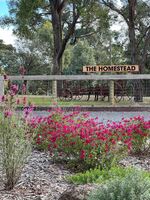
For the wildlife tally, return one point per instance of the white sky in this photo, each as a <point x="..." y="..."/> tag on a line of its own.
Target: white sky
<point x="7" y="36"/>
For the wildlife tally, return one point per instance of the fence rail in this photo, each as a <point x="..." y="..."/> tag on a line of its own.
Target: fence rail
<point x="54" y="78"/>
<point x="81" y="77"/>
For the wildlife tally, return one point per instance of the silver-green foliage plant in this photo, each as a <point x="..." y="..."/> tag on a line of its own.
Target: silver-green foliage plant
<point x="14" y="149"/>
<point x="132" y="187"/>
<point x="15" y="146"/>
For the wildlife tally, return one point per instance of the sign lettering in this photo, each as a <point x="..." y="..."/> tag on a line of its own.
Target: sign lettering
<point x="111" y="68"/>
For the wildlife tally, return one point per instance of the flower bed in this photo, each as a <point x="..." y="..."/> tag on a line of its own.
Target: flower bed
<point x="75" y="137"/>
<point x="78" y="137"/>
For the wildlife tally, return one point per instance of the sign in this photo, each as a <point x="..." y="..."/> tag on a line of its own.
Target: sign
<point x="111" y="68"/>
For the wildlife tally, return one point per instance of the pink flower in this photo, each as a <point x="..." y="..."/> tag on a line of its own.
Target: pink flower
<point x="82" y="154"/>
<point x="13" y="89"/>
<point x="28" y="110"/>
<point x="24" y="101"/>
<point x="2" y="98"/>
<point x="24" y="88"/>
<point x="8" y="113"/>
<point x="18" y="101"/>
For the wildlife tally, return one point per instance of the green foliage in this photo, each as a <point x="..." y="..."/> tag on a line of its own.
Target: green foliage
<point x="83" y="54"/>
<point x="132" y="187"/>
<point x="100" y="176"/>
<point x="27" y="17"/>
<point x="34" y="54"/>
<point x="108" y="47"/>
<point x="14" y="148"/>
<point x="8" y="57"/>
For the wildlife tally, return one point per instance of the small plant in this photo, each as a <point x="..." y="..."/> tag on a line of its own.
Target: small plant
<point x="101" y="176"/>
<point x="132" y="187"/>
<point x="136" y="134"/>
<point x="14" y="148"/>
<point x="15" y="145"/>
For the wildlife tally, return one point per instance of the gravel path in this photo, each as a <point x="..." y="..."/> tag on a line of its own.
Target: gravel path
<point x="105" y="116"/>
<point x="43" y="180"/>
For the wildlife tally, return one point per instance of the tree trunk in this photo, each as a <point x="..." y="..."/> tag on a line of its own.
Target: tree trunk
<point x="132" y="10"/>
<point x="138" y="91"/>
<point x="57" y="34"/>
<point x="60" y="43"/>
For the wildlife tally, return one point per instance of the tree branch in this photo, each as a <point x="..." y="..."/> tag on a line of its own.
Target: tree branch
<point x="70" y="32"/>
<point x="114" y="8"/>
<point x="143" y="36"/>
<point x="86" y="35"/>
<point x="62" y="5"/>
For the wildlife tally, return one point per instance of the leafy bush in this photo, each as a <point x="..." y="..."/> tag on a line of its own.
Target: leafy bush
<point x="88" y="142"/>
<point x="101" y="176"/>
<point x="132" y="187"/>
<point x="77" y="138"/>
<point x="135" y="133"/>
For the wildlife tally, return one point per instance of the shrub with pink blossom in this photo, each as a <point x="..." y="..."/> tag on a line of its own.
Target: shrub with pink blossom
<point x="76" y="136"/>
<point x="15" y="146"/>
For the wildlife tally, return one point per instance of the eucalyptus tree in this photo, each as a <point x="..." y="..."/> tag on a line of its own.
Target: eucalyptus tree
<point x="82" y="54"/>
<point x="136" y="14"/>
<point x="70" y="19"/>
<point x="8" y="57"/>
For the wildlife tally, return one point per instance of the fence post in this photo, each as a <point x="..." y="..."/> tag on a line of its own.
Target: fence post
<point x="54" y="89"/>
<point x="111" y="92"/>
<point x="1" y="86"/>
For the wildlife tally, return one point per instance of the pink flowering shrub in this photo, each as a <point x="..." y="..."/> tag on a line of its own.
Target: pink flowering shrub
<point x="76" y="136"/>
<point x="15" y="144"/>
<point x="136" y="133"/>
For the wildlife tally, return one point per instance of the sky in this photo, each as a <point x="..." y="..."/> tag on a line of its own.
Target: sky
<point x="3" y="8"/>
<point x="6" y="34"/>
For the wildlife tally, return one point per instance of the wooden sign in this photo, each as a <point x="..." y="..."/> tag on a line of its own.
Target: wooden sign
<point x="111" y="68"/>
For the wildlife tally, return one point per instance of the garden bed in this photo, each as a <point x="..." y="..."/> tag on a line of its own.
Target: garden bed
<point x="41" y="179"/>
<point x="81" y="143"/>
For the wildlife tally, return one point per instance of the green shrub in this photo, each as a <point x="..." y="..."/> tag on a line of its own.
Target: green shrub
<point x="14" y="149"/>
<point x="101" y="176"/>
<point x="132" y="187"/>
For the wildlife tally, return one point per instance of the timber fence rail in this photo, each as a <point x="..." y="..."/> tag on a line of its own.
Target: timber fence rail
<point x="81" y="77"/>
<point x="54" y="78"/>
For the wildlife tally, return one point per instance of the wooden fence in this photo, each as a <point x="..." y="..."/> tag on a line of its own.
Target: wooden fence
<point x="54" y="78"/>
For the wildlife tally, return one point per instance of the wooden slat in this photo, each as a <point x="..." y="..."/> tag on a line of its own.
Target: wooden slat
<point x="81" y="77"/>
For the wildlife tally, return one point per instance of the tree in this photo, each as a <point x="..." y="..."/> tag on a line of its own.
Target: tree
<point x="82" y="54"/>
<point x="35" y="55"/>
<point x="8" y="56"/>
<point x="108" y="48"/>
<point x="136" y="15"/>
<point x="69" y="19"/>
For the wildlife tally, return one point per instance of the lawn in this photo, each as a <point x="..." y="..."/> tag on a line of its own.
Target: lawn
<point x="49" y="101"/>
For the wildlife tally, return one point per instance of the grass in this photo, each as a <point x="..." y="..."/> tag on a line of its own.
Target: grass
<point x="49" y="101"/>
